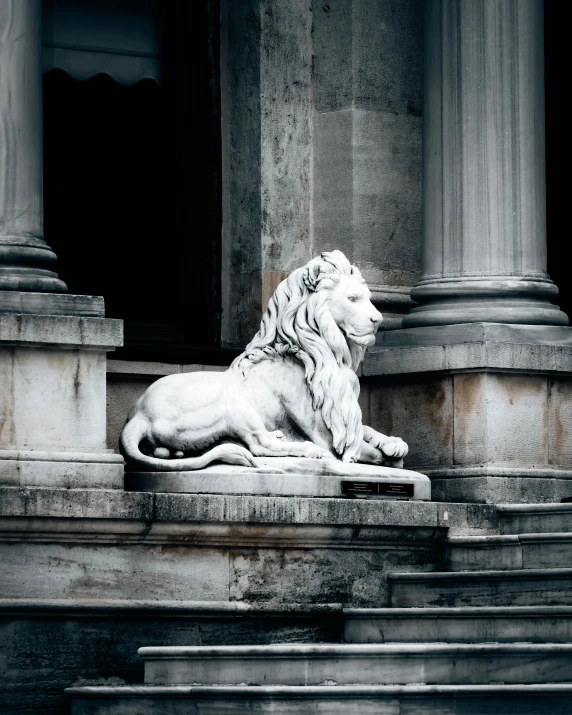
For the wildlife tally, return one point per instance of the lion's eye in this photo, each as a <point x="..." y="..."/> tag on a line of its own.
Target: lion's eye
<point x="352" y="298"/>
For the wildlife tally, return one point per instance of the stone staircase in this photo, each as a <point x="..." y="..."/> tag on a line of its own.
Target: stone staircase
<point x="491" y="633"/>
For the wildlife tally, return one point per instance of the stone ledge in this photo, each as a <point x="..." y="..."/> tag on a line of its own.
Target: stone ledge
<point x="327" y="691"/>
<point x="60" y="331"/>
<point x="25" y="302"/>
<point x="342" y="699"/>
<point x="474" y="346"/>
<point x="146" y="368"/>
<point x="102" y="504"/>
<point x="53" y="607"/>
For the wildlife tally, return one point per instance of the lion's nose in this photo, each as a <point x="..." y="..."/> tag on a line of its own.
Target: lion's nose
<point x="377" y="317"/>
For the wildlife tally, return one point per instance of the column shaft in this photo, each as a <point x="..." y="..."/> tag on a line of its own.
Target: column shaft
<point x="26" y="261"/>
<point x="484" y="203"/>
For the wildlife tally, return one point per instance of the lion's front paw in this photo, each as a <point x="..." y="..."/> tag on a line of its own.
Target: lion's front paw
<point x="395" y="447"/>
<point x="390" y="446"/>
<point x="314" y="452"/>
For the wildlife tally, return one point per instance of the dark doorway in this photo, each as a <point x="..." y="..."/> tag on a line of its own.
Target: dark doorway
<point x="132" y="190"/>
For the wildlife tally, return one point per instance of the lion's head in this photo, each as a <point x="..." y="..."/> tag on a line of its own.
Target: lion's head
<point x="322" y="315"/>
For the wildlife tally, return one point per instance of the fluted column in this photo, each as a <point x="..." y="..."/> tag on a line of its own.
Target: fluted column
<point x="484" y="204"/>
<point x="26" y="261"/>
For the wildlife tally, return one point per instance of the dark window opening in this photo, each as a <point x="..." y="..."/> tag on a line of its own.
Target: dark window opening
<point x="132" y="191"/>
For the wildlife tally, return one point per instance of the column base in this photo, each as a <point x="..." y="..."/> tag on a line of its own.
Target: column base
<point x="393" y="302"/>
<point x="28" y="264"/>
<point x="493" y="299"/>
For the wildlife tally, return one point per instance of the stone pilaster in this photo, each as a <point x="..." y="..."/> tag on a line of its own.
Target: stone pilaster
<point x="367" y="82"/>
<point x="484" y="215"/>
<point x="321" y="138"/>
<point x="26" y="261"/>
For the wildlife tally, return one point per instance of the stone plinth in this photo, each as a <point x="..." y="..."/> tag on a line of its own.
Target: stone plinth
<point x="52" y="402"/>
<point x="335" y="480"/>
<point x="483" y="406"/>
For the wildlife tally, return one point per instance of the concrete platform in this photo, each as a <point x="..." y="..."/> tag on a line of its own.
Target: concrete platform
<point x="473" y="624"/>
<point x="327" y="478"/>
<point x="363" y="664"/>
<point x="523" y="587"/>
<point x="334" y="700"/>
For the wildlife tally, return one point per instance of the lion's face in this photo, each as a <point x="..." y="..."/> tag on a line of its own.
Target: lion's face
<point x="351" y="308"/>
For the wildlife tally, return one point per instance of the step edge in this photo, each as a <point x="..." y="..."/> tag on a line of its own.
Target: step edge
<point x="460" y="611"/>
<point x="416" y="689"/>
<point x="302" y="651"/>
<point x="473" y="575"/>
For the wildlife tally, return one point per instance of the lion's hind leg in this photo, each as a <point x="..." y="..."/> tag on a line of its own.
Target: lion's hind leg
<point x="263" y="443"/>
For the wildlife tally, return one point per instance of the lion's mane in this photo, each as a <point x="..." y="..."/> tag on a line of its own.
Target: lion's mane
<point x="297" y="322"/>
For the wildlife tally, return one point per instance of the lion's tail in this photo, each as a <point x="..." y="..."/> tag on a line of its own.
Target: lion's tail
<point x="137" y="428"/>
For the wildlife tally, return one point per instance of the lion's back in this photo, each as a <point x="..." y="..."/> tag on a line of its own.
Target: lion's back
<point x="169" y="395"/>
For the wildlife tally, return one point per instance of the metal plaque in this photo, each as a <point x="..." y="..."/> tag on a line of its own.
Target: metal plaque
<point x="390" y="489"/>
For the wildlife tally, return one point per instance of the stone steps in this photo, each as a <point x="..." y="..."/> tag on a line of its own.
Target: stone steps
<point x="339" y="700"/>
<point x="509" y="551"/>
<point x="496" y="630"/>
<point x="523" y="587"/>
<point x="363" y="664"/>
<point x="535" y="518"/>
<point x="537" y="624"/>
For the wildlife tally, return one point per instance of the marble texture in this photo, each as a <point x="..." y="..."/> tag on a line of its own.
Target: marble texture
<point x="292" y="393"/>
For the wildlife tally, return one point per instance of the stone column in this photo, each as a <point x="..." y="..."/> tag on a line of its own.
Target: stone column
<point x="484" y="234"/>
<point x="26" y="261"/>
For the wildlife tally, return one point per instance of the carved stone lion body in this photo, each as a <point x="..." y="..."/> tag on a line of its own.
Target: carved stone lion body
<point x="293" y="392"/>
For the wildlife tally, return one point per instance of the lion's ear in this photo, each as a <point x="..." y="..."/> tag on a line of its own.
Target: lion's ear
<point x="312" y="273"/>
<point x="317" y="268"/>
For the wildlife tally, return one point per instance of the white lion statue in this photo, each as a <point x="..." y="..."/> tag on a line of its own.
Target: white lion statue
<point x="292" y="393"/>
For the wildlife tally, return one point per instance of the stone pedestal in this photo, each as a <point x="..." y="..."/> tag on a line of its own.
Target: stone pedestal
<point x="277" y="476"/>
<point x="52" y="401"/>
<point x="484" y="408"/>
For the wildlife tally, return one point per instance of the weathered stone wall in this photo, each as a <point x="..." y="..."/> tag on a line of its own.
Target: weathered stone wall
<point x="321" y="133"/>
